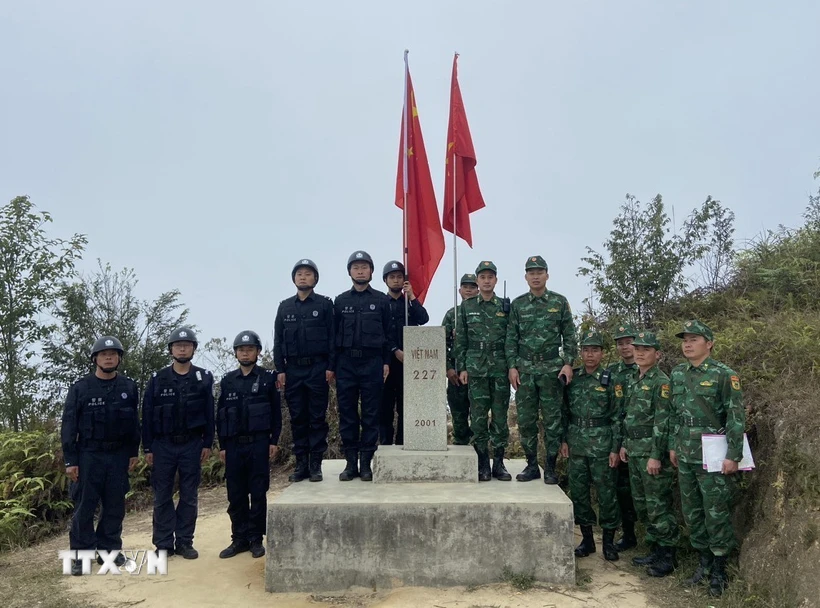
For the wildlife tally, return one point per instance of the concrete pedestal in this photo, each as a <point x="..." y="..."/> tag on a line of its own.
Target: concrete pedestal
<point x="334" y="535"/>
<point x="393" y="464"/>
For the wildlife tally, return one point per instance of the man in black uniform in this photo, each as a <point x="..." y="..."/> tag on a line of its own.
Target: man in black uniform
<point x="101" y="439"/>
<point x="177" y="436"/>
<point x="362" y="364"/>
<point x="305" y="356"/>
<point x="249" y="420"/>
<point x="395" y="278"/>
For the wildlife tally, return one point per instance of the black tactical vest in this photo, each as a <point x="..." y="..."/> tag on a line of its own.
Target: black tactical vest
<point x="248" y="405"/>
<point x="180" y="402"/>
<point x="107" y="410"/>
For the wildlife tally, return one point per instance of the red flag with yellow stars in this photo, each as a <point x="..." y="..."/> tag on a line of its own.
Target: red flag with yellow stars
<point x="461" y="191"/>
<point x="423" y="238"/>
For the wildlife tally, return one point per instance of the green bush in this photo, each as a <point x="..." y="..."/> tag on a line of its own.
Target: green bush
<point x="34" y="497"/>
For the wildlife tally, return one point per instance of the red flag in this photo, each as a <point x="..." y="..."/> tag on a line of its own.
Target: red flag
<point x="460" y="167"/>
<point x="424" y="240"/>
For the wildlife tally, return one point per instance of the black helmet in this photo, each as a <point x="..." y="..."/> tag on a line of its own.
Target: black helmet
<point x="183" y="334"/>
<point x="247" y="338"/>
<point x="359" y="256"/>
<point x="393" y="266"/>
<point x="106" y="343"/>
<point x="306" y="263"/>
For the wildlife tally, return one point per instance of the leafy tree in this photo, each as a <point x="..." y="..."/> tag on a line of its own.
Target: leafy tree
<point x="645" y="261"/>
<point x="105" y="302"/>
<point x="32" y="266"/>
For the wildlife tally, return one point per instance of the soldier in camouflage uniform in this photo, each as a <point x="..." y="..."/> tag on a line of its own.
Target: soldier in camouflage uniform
<point x="457" y="397"/>
<point x="594" y="440"/>
<point x="483" y="368"/>
<point x="706" y="398"/>
<point x="624" y="372"/>
<point x="540" y="346"/>
<point x="645" y="448"/>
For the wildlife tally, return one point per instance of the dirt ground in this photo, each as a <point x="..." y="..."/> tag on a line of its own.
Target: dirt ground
<point x="210" y="581"/>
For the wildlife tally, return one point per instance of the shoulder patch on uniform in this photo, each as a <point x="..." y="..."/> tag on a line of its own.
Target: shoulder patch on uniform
<point x="665" y="391"/>
<point x="619" y="391"/>
<point x="735" y="383"/>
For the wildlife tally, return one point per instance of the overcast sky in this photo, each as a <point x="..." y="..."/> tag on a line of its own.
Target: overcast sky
<point x="210" y="145"/>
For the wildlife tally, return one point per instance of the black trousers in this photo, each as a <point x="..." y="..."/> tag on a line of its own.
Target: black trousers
<point x="306" y="392"/>
<point x="392" y="402"/>
<point x="175" y="526"/>
<point x="103" y="478"/>
<point x="247" y="475"/>
<point x="359" y="379"/>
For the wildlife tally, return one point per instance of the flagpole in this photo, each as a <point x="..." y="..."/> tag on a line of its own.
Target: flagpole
<point x="455" y="239"/>
<point x="406" y="179"/>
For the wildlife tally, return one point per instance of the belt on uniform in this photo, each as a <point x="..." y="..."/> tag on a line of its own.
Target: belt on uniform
<point x="360" y="353"/>
<point x="589" y="423"/>
<point x="93" y="444"/>
<point x="177" y="439"/>
<point x="307" y="360"/>
<point x="538" y="356"/>
<point x="696" y="421"/>
<point x="493" y="346"/>
<point x="246" y="439"/>
<point x="640" y="432"/>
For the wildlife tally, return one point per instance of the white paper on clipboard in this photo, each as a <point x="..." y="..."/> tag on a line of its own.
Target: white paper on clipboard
<point x="714" y="453"/>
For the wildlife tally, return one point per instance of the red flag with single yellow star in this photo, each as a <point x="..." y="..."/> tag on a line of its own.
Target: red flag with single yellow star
<point x="423" y="238"/>
<point x="462" y="195"/>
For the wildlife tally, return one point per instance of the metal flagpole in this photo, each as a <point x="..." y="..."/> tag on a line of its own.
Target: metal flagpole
<point x="405" y="120"/>
<point x="455" y="239"/>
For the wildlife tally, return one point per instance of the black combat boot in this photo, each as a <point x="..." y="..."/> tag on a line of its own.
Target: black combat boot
<point x="665" y="564"/>
<point x="366" y="473"/>
<point x="301" y="470"/>
<point x="499" y="470"/>
<point x="316" y="467"/>
<point x="650" y="558"/>
<point x="719" y="579"/>
<point x="351" y="471"/>
<point x="702" y="572"/>
<point x="610" y="552"/>
<point x="236" y="547"/>
<point x="587" y="545"/>
<point x="531" y="471"/>
<point x="550" y="476"/>
<point x="119" y="561"/>
<point x="257" y="548"/>
<point x="484" y="473"/>
<point x="186" y="550"/>
<point x="628" y="540"/>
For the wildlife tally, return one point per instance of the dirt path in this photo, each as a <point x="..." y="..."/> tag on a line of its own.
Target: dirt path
<point x="210" y="581"/>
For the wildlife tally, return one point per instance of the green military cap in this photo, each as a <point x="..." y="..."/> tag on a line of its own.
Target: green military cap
<point x="647" y="338"/>
<point x="592" y="338"/>
<point x="699" y="329"/>
<point x="535" y="261"/>
<point x="486" y="265"/>
<point x="468" y="278"/>
<point x="625" y="331"/>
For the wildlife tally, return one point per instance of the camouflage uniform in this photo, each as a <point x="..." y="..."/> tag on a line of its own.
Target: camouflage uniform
<point x="480" y="352"/>
<point x="623" y="375"/>
<point x="457" y="397"/>
<point x="540" y="341"/>
<point x="646" y="435"/>
<point x="593" y="433"/>
<point x="706" y="399"/>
